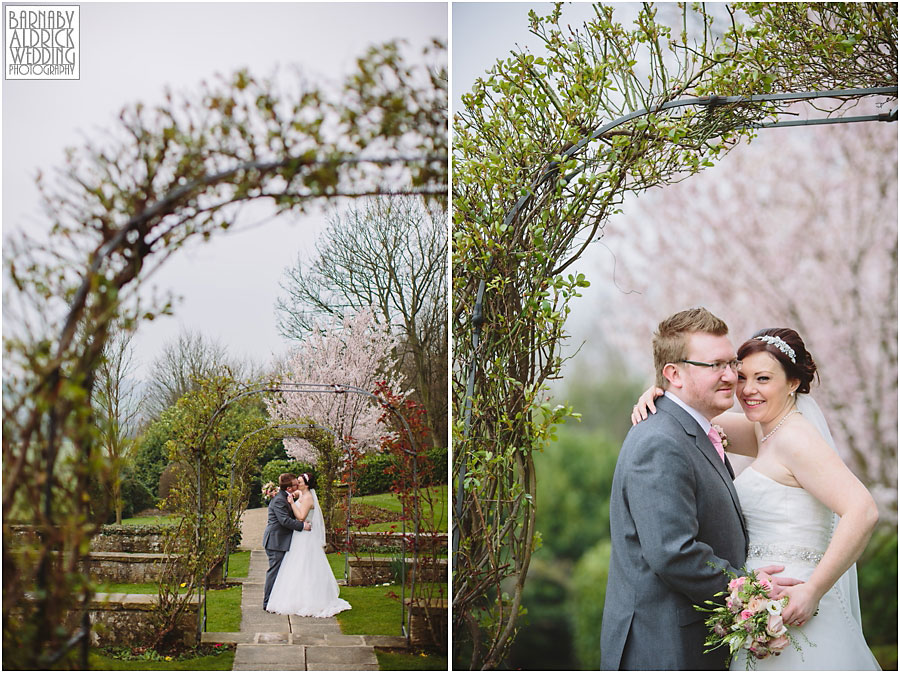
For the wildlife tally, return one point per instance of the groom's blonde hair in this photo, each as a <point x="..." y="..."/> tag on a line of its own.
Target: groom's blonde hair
<point x="671" y="337"/>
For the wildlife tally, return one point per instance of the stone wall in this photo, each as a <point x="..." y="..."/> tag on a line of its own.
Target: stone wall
<point x="126" y="568"/>
<point x="134" y="539"/>
<point x="369" y="571"/>
<point x="385" y="540"/>
<point x="135" y="568"/>
<point x="421" y="634"/>
<point x="127" y="619"/>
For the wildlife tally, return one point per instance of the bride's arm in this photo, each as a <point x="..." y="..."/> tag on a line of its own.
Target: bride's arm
<point x="297" y="507"/>
<point x="741" y="433"/>
<point x="820" y="471"/>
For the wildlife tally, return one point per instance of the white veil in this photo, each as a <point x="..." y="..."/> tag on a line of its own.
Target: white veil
<point x="846" y="586"/>
<point x="318" y="522"/>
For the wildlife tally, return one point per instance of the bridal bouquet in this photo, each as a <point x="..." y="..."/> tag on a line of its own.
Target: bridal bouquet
<point x="269" y="490"/>
<point x="749" y="619"/>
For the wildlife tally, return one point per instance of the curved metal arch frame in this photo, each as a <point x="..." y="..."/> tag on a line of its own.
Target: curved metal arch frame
<point x="333" y="389"/>
<point x="710" y="102"/>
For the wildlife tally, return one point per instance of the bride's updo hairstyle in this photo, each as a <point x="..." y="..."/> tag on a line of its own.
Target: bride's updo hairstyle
<point x="309" y="479"/>
<point x="786" y="346"/>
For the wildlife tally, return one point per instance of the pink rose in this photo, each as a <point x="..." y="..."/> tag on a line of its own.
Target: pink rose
<point x="757" y="604"/>
<point x="779" y="643"/>
<point x="775" y="625"/>
<point x="746" y="614"/>
<point x="737" y="583"/>
<point x="765" y="580"/>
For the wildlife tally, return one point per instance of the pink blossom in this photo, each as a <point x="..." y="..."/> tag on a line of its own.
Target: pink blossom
<point x="356" y="352"/>
<point x="757" y="604"/>
<point x="737" y="583"/>
<point x="746" y="614"/>
<point x="779" y="643"/>
<point x="764" y="579"/>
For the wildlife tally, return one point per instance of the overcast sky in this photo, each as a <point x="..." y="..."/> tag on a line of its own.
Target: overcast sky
<point x="131" y="52"/>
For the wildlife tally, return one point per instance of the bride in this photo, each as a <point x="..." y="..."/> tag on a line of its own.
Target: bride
<point x="305" y="585"/>
<point x="803" y="507"/>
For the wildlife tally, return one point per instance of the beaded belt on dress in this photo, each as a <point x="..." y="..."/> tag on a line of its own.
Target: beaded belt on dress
<point x="776" y="552"/>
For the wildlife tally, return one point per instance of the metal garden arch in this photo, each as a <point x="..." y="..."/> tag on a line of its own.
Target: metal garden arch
<point x="552" y="168"/>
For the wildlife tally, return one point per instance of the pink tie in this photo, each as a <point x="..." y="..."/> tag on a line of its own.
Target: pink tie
<point x="716" y="442"/>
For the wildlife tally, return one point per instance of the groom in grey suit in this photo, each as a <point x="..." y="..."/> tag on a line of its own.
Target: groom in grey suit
<point x="279" y="528"/>
<point x="673" y="507"/>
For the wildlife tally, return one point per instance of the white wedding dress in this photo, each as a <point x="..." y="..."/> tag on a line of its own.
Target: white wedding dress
<point x="305" y="585"/>
<point x="788" y="526"/>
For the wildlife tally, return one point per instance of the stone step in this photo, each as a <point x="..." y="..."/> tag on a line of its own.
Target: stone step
<point x="297" y="638"/>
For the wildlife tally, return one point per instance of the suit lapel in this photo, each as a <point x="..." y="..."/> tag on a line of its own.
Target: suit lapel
<point x="702" y="444"/>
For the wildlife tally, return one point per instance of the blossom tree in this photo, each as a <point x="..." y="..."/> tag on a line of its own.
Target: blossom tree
<point x="358" y="352"/>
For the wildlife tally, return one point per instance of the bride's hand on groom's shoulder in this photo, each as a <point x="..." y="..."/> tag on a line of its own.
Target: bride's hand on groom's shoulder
<point x="645" y="405"/>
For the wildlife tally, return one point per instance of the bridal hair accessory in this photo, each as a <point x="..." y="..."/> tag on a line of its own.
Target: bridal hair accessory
<point x="780" y="344"/>
<point x="305" y="478"/>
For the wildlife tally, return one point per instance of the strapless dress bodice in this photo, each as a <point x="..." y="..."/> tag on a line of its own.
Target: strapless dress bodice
<point x="783" y="522"/>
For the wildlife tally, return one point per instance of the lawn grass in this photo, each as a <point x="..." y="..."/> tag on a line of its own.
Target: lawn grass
<point x="436" y="494"/>
<point x="223" y="610"/>
<point x="405" y="661"/>
<point x="239" y="564"/>
<point x="374" y="613"/>
<point x="217" y="662"/>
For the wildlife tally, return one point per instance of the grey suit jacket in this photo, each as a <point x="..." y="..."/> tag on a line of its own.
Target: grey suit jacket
<point x="673" y="509"/>
<point x="280" y="524"/>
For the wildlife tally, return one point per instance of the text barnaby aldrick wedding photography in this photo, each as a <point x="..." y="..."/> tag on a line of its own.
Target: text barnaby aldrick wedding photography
<point x="42" y="41"/>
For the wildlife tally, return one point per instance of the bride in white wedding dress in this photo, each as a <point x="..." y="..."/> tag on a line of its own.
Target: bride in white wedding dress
<point x="803" y="508"/>
<point x="305" y="585"/>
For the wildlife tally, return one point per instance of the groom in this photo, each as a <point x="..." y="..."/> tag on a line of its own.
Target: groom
<point x="280" y="526"/>
<point x="673" y="507"/>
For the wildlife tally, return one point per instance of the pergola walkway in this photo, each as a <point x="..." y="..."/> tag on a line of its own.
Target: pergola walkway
<point x="269" y="642"/>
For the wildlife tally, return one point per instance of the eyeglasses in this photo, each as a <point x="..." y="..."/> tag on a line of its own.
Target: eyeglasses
<point x="717" y="366"/>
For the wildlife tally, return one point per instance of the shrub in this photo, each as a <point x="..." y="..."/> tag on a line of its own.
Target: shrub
<point x="273" y="468"/>
<point x="167" y="480"/>
<point x="437" y="466"/>
<point x="370" y="476"/>
<point x="877" y="572"/>
<point x="587" y="595"/>
<point x="136" y="497"/>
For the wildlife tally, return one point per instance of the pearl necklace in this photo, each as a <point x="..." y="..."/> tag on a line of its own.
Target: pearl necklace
<point x="784" y="418"/>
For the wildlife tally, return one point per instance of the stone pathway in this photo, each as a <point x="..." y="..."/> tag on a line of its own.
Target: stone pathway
<point x="269" y="642"/>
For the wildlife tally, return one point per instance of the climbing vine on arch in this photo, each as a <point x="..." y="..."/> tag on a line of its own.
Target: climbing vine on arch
<point x="531" y="192"/>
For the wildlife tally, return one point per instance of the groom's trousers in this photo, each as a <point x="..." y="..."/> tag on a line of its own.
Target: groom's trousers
<point x="275" y="558"/>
